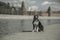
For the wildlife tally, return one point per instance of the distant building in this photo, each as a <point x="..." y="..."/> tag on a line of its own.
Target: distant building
<point x="4" y="8"/>
<point x="22" y="10"/>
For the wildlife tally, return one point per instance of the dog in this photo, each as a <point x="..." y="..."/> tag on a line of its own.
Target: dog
<point x="41" y="28"/>
<point x="37" y="25"/>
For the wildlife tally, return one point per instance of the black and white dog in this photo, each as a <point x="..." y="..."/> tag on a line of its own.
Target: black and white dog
<point x="37" y="26"/>
<point x="41" y="28"/>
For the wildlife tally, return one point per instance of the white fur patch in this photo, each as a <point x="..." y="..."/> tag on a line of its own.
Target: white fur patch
<point x="36" y="22"/>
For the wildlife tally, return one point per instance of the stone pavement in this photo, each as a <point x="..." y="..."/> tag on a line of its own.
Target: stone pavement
<point x="52" y="32"/>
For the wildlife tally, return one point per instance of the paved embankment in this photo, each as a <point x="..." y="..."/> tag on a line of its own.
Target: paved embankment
<point x="52" y="32"/>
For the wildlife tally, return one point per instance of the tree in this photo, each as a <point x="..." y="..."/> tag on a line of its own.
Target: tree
<point x="49" y="11"/>
<point x="40" y="13"/>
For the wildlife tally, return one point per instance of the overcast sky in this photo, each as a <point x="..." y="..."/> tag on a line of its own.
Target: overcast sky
<point x="37" y="4"/>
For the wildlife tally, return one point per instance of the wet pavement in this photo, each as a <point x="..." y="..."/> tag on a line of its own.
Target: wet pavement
<point x="51" y="32"/>
<point x="11" y="29"/>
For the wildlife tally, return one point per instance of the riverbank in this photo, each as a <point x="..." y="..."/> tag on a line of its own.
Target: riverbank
<point x="26" y="17"/>
<point x="52" y="32"/>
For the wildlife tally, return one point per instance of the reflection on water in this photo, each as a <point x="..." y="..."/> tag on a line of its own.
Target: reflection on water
<point x="48" y="21"/>
<point x="3" y="27"/>
<point x="22" y="24"/>
<point x="12" y="26"/>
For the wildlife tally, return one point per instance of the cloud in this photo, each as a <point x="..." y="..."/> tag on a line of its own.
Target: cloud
<point x="17" y="5"/>
<point x="33" y="8"/>
<point x="54" y="5"/>
<point x="33" y="2"/>
<point x="45" y="3"/>
<point x="50" y="3"/>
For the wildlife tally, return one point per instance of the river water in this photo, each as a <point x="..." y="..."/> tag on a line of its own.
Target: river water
<point x="8" y="26"/>
<point x="11" y="26"/>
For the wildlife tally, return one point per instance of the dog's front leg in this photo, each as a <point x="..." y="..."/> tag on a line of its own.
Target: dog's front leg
<point x="37" y="29"/>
